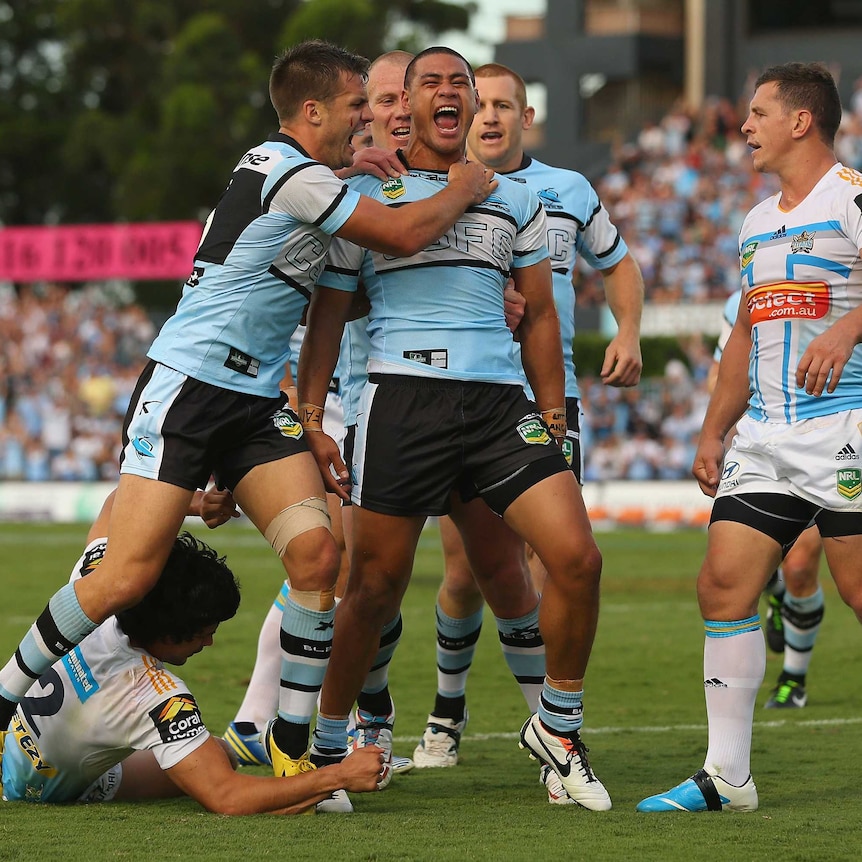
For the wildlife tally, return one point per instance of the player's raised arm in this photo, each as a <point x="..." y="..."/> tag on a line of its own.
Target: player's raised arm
<point x="403" y="231"/>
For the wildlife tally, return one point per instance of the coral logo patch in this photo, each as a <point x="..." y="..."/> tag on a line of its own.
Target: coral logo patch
<point x="177" y="718"/>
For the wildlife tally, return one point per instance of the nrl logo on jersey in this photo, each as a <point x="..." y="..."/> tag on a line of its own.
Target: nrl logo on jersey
<point x="393" y="189"/>
<point x="748" y="253"/>
<point x="802" y="242"/>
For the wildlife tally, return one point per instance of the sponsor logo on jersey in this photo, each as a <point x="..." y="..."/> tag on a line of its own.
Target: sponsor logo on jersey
<point x="729" y="476"/>
<point x="849" y="483"/>
<point x="242" y="362"/>
<point x="534" y="432"/>
<point x="178" y="718"/>
<point x="143" y="447"/>
<point x="438" y="358"/>
<point x="781" y="233"/>
<point x="195" y="278"/>
<point x="393" y="189"/>
<point x="287" y="424"/>
<point x="802" y="242"/>
<point x="82" y="678"/>
<point x="788" y="299"/>
<point x="848" y="453"/>
<point x="27" y="744"/>
<point x="748" y="253"/>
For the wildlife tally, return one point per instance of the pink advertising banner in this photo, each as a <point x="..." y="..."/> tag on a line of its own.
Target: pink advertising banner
<point x="99" y="251"/>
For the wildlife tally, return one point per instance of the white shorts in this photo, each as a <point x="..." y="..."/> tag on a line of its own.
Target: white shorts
<point x="818" y="460"/>
<point x="105" y="787"/>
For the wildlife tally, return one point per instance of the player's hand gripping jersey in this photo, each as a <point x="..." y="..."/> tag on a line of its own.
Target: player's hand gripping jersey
<point x="440" y="312"/>
<point x="801" y="272"/>
<point x="262" y="250"/>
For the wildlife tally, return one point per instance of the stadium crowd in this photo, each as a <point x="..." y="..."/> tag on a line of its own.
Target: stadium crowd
<point x="69" y="357"/>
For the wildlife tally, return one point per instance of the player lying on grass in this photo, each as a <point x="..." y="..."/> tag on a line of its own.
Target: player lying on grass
<point x="111" y="722"/>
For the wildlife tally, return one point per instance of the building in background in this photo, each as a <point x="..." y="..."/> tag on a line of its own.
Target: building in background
<point x="610" y="67"/>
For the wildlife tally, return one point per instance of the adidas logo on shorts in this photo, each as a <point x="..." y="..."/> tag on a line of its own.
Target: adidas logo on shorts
<point x="848" y="453"/>
<point x="715" y="682"/>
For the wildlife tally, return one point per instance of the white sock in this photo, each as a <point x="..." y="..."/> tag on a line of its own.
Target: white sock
<point x="734" y="662"/>
<point x="260" y="703"/>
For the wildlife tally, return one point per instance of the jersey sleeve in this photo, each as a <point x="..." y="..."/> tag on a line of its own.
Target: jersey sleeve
<point x="852" y="215"/>
<point x="343" y="264"/>
<point x="311" y="193"/>
<point x="599" y="241"/>
<point x="728" y="319"/>
<point x="531" y="240"/>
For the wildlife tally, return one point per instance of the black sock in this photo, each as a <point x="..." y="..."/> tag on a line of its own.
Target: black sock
<point x="450" y="707"/>
<point x="376" y="703"/>
<point x="291" y="739"/>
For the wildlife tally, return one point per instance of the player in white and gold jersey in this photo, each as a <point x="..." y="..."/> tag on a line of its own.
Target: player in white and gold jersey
<point x="791" y="380"/>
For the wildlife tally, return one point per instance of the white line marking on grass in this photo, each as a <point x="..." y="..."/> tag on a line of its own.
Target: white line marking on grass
<point x="669" y="728"/>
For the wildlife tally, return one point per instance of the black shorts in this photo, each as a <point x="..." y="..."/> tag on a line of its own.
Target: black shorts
<point x="181" y="431"/>
<point x="572" y="447"/>
<point x="420" y="438"/>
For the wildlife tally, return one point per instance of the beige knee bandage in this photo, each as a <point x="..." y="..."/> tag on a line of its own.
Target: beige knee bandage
<point x="314" y="600"/>
<point x="299" y="518"/>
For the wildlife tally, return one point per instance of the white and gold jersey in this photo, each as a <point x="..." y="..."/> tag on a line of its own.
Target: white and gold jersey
<point x="92" y="709"/>
<point x="801" y="272"/>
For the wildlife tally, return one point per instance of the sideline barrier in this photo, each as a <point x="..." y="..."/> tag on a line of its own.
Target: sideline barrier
<point x="661" y="506"/>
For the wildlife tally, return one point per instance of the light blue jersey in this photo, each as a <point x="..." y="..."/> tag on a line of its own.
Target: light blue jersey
<point x="353" y="362"/>
<point x="578" y="224"/>
<point x="728" y="319"/>
<point x="801" y="272"/>
<point x="263" y="248"/>
<point x="439" y="313"/>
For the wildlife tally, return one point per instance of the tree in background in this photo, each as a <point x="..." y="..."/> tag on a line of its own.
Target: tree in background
<point x="116" y="111"/>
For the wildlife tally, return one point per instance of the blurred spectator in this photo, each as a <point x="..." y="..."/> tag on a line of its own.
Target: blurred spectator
<point x="68" y="362"/>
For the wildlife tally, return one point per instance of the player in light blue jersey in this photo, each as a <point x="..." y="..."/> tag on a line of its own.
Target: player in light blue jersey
<point x="794" y="597"/>
<point x="208" y="402"/>
<point x="790" y="379"/>
<point x="577" y="224"/>
<point x="445" y="413"/>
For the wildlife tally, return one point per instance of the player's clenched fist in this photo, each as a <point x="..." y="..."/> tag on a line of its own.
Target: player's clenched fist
<point x="475" y="176"/>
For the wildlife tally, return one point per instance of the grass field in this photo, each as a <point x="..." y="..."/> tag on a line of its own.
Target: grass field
<point x="644" y="722"/>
